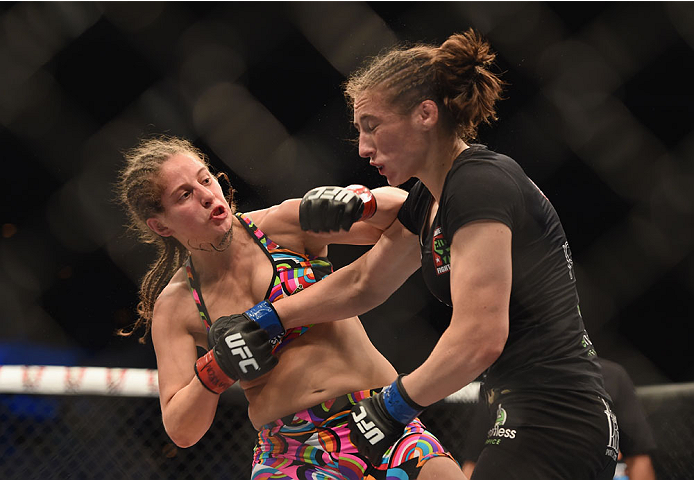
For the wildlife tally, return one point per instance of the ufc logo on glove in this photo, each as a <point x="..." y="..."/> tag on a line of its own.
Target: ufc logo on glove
<point x="238" y="347"/>
<point x="372" y="433"/>
<point x="331" y="193"/>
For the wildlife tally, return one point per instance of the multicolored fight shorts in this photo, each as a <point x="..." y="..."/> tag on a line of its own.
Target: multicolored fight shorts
<point x="314" y="445"/>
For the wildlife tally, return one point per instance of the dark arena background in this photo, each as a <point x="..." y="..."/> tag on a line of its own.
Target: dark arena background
<point x="599" y="111"/>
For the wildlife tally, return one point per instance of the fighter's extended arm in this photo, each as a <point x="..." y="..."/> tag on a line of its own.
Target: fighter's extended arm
<point x="480" y="287"/>
<point x="358" y="287"/>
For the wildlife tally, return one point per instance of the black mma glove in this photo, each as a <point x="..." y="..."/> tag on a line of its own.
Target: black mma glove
<point x="241" y="348"/>
<point x="377" y="422"/>
<point x="329" y="209"/>
<point x="263" y="314"/>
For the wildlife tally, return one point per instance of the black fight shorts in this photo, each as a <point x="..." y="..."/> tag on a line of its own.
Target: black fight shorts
<point x="549" y="435"/>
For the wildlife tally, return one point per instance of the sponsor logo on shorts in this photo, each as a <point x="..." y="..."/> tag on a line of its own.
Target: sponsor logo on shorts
<point x="498" y="432"/>
<point x="441" y="252"/>
<point x="613" y="432"/>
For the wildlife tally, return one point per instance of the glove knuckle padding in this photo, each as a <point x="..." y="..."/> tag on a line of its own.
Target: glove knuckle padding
<point x="257" y="337"/>
<point x="220" y="327"/>
<point x="334" y="215"/>
<point x="326" y="209"/>
<point x="372" y="430"/>
<point x="244" y="349"/>
<point x="305" y="214"/>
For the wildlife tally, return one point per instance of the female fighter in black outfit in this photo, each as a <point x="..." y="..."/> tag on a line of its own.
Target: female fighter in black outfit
<point x="491" y="245"/>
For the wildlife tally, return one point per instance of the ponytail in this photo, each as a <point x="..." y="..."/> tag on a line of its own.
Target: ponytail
<point x="469" y="90"/>
<point x="457" y="76"/>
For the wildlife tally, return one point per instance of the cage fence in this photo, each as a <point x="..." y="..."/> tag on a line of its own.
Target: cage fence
<point x="108" y="425"/>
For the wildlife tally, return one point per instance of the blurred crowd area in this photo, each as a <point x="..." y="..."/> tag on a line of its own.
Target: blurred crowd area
<point x="599" y="111"/>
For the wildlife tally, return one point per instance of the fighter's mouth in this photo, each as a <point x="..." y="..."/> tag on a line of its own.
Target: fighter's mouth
<point x="218" y="211"/>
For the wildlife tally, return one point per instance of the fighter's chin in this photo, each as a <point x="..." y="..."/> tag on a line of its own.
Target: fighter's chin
<point x="395" y="180"/>
<point x="392" y="178"/>
<point x="384" y="173"/>
<point x="220" y="242"/>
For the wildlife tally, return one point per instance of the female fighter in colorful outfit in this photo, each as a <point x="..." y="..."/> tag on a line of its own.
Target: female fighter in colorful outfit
<point x="491" y="245"/>
<point x="213" y="260"/>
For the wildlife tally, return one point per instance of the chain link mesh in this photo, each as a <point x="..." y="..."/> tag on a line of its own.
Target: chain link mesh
<point x="115" y="438"/>
<point x="45" y="436"/>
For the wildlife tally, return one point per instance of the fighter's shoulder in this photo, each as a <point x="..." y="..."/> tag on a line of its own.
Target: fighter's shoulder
<point x="175" y="302"/>
<point x="281" y="223"/>
<point x="282" y="218"/>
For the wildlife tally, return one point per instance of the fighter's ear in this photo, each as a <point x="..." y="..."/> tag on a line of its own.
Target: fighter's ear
<point x="158" y="227"/>
<point x="427" y="114"/>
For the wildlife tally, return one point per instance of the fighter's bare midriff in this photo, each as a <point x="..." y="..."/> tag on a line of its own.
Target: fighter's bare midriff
<point x="329" y="360"/>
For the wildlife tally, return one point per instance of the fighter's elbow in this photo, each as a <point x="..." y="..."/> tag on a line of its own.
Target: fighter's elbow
<point x="484" y="340"/>
<point x="184" y="429"/>
<point x="181" y="437"/>
<point x="490" y="351"/>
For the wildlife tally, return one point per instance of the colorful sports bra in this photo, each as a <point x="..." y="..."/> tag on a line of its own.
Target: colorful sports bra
<point x="292" y="273"/>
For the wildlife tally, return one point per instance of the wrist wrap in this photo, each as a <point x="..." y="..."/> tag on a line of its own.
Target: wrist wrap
<point x="211" y="374"/>
<point x="366" y="197"/>
<point x="398" y="403"/>
<point x="265" y="315"/>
